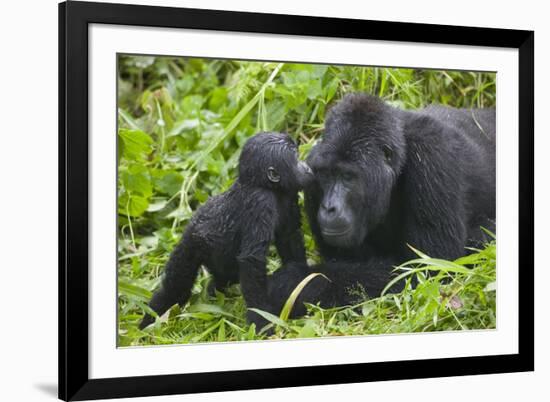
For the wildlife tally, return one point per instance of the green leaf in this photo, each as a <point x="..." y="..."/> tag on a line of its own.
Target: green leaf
<point x="128" y="119"/>
<point x="192" y="104"/>
<point x="135" y="144"/>
<point x="430" y="264"/>
<point x="198" y="316"/>
<point x="136" y="180"/>
<point x="169" y="182"/>
<point x="208" y="308"/>
<point x="276" y="113"/>
<point x="251" y="334"/>
<point x="491" y="234"/>
<point x="133" y="290"/>
<point x="183" y="126"/>
<point x="208" y="331"/>
<point x="367" y="308"/>
<point x="132" y="205"/>
<point x="218" y="98"/>
<point x="318" y="70"/>
<point x="270" y="317"/>
<point x="470" y="259"/>
<point x="308" y="330"/>
<point x="417" y="252"/>
<point x="221" y="331"/>
<point x="289" y="304"/>
<point x="314" y="89"/>
<point x="157" y="205"/>
<point x="214" y="165"/>
<point x="332" y="88"/>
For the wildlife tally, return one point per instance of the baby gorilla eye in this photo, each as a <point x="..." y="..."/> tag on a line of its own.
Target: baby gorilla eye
<point x="388" y="153"/>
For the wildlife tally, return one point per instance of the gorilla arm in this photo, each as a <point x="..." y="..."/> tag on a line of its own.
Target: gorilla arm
<point x="256" y="237"/>
<point x="289" y="238"/>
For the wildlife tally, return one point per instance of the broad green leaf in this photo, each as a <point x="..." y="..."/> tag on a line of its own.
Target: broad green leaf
<point x="132" y="205"/>
<point x="168" y="182"/>
<point x="137" y="180"/>
<point x="136" y="144"/>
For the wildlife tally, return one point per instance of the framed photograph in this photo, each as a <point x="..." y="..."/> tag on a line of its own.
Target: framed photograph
<point x="258" y="200"/>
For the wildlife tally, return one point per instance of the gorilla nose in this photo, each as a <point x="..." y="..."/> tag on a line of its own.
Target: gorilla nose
<point x="329" y="208"/>
<point x="329" y="211"/>
<point x="331" y="220"/>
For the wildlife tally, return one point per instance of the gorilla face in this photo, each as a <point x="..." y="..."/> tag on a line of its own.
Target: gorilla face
<point x="355" y="166"/>
<point x="270" y="160"/>
<point x="354" y="197"/>
<point x="341" y="222"/>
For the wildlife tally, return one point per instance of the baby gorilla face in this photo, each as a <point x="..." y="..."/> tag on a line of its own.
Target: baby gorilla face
<point x="271" y="160"/>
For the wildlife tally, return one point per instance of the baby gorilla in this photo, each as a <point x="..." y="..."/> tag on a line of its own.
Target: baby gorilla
<point x="231" y="233"/>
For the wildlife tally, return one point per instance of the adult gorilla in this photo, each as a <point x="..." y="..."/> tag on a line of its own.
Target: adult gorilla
<point x="385" y="178"/>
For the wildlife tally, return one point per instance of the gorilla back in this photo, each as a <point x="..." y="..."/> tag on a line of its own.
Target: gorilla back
<point x="387" y="177"/>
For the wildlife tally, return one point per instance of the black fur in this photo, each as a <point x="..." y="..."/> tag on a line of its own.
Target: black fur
<point x="230" y="234"/>
<point x="344" y="283"/>
<point x="385" y="178"/>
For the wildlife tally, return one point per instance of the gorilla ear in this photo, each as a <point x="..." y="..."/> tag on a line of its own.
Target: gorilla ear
<point x="273" y="175"/>
<point x="388" y="153"/>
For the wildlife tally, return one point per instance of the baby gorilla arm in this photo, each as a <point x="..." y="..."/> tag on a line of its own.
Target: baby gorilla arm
<point x="256" y="237"/>
<point x="289" y="239"/>
<point x="253" y="276"/>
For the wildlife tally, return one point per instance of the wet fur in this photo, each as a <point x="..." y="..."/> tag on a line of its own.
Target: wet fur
<point x="230" y="234"/>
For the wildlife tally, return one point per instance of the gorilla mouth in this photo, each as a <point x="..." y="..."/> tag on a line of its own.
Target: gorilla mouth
<point x="337" y="232"/>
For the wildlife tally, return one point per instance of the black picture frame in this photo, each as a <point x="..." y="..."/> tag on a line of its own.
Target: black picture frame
<point x="74" y="18"/>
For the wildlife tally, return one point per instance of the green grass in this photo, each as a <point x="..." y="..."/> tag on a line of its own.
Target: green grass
<point x="182" y="123"/>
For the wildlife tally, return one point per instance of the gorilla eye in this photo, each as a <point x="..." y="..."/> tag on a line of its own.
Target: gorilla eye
<point x="388" y="153"/>
<point x="272" y="175"/>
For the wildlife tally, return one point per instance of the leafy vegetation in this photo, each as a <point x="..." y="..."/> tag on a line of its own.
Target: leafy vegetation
<point x="181" y="124"/>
